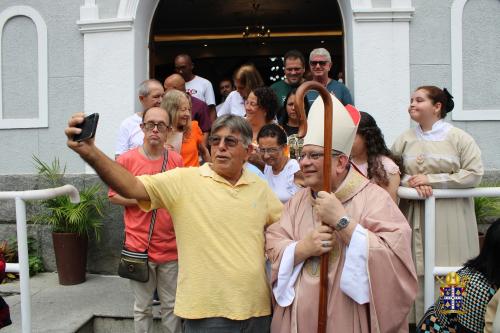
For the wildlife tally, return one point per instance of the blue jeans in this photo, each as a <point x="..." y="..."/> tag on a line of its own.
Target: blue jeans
<point x="225" y="325"/>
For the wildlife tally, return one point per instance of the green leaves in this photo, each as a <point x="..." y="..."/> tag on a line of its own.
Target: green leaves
<point x="52" y="173"/>
<point x="487" y="207"/>
<point x="82" y="218"/>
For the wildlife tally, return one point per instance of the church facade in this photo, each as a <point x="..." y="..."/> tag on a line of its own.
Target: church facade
<point x="64" y="56"/>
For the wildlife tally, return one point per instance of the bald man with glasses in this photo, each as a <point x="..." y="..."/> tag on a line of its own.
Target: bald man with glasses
<point x="150" y="158"/>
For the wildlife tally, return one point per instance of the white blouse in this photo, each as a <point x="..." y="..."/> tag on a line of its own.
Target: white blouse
<point x="234" y="104"/>
<point x="283" y="184"/>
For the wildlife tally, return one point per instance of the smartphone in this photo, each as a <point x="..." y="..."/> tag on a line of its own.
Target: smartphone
<point x="89" y="127"/>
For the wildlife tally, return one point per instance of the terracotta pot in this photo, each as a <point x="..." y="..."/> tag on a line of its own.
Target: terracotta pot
<point x="71" y="257"/>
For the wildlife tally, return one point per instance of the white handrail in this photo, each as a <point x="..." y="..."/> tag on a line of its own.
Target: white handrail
<point x="22" y="240"/>
<point x="48" y="193"/>
<point x="430" y="270"/>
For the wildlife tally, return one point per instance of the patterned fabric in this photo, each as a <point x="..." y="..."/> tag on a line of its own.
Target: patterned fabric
<point x="477" y="295"/>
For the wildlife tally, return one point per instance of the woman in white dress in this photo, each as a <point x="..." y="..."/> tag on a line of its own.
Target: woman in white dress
<point x="372" y="157"/>
<point x="435" y="155"/>
<point x="282" y="173"/>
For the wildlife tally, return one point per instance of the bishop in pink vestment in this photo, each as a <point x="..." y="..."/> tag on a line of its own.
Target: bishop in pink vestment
<point x="371" y="277"/>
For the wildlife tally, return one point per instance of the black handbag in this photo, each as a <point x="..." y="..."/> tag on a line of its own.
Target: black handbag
<point x="134" y="265"/>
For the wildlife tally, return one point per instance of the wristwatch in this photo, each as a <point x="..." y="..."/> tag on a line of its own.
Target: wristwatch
<point x="342" y="223"/>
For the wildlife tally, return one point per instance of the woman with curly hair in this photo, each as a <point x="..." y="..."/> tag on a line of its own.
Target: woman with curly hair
<point x="372" y="157"/>
<point x="261" y="107"/>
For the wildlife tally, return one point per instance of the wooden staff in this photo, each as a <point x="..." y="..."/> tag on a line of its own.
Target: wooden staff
<point x="327" y="166"/>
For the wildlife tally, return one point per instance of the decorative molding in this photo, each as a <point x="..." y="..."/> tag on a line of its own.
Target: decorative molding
<point x="89" y="11"/>
<point x="128" y="8"/>
<point x="43" y="105"/>
<point x="383" y="14"/>
<point x="124" y="21"/>
<point x="457" y="82"/>
<point x="105" y="25"/>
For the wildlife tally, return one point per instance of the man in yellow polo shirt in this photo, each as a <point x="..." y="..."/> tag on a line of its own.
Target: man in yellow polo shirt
<point x="220" y="211"/>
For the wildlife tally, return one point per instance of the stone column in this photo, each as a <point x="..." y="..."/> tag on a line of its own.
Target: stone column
<point x="381" y="63"/>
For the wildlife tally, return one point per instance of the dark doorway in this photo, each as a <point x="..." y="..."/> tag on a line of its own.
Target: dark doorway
<point x="212" y="33"/>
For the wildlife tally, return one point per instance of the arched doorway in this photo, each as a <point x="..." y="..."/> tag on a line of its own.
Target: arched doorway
<point x="375" y="41"/>
<point x="215" y="38"/>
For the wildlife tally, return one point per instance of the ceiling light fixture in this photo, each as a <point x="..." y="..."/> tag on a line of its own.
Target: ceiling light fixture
<point x="258" y="30"/>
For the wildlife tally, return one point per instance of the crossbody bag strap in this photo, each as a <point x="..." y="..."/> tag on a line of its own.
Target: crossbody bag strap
<point x="153" y="216"/>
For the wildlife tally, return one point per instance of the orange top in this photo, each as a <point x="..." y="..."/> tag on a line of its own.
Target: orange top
<point x="189" y="149"/>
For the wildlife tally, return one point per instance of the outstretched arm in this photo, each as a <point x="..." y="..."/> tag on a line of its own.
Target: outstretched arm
<point x="112" y="173"/>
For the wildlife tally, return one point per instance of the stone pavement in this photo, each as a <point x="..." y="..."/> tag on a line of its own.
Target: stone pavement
<point x="57" y="308"/>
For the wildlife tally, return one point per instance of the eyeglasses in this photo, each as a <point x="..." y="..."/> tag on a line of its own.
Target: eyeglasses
<point x="315" y="155"/>
<point x="230" y="141"/>
<point x="149" y="126"/>
<point x="270" y="151"/>
<point x="321" y="63"/>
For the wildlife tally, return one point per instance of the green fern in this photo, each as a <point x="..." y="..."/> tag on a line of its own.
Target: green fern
<point x="487" y="207"/>
<point x="82" y="218"/>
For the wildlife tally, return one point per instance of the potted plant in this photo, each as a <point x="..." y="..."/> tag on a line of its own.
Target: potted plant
<point x="71" y="224"/>
<point x="486" y="208"/>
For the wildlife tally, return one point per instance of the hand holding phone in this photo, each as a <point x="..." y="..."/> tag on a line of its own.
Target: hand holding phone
<point x="88" y="126"/>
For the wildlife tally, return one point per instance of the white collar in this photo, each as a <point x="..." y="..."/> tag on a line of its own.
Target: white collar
<point x="438" y="132"/>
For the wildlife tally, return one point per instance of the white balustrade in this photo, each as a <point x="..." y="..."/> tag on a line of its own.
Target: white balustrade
<point x="22" y="240"/>
<point x="430" y="269"/>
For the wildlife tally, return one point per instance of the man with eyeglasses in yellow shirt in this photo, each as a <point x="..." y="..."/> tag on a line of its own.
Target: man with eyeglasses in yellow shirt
<point x="220" y="212"/>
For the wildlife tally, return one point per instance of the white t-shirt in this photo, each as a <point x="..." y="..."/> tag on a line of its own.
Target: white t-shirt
<point x="130" y="134"/>
<point x="283" y="184"/>
<point x="234" y="104"/>
<point x="202" y="89"/>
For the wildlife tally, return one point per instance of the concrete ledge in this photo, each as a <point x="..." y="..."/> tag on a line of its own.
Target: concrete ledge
<point x="56" y="308"/>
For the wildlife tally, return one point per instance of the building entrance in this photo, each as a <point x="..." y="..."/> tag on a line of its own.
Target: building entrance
<point x="222" y="35"/>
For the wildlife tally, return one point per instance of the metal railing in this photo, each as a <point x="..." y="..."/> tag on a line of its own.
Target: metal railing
<point x="430" y="270"/>
<point x="22" y="240"/>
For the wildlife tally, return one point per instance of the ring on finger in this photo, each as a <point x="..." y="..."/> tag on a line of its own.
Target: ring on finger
<point x="325" y="243"/>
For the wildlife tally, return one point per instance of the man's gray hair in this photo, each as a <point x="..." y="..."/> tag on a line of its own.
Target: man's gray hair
<point x="234" y="124"/>
<point x="145" y="87"/>
<point x="320" y="52"/>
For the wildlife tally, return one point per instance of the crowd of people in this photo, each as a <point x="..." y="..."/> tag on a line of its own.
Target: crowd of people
<point x="242" y="219"/>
